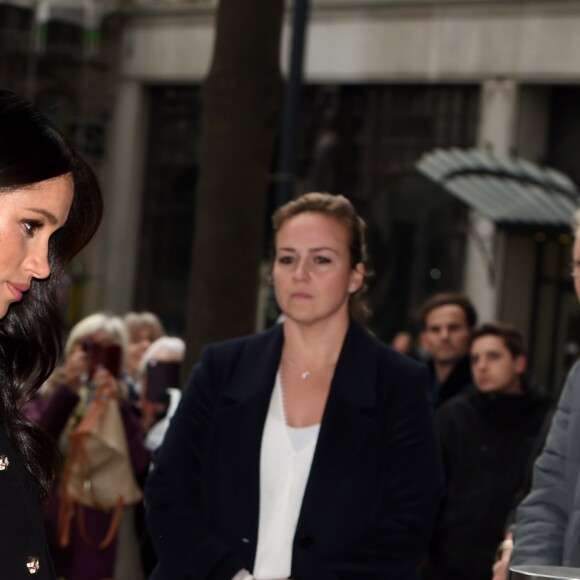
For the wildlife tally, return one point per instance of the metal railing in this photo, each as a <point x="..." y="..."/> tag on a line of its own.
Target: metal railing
<point x="543" y="573"/>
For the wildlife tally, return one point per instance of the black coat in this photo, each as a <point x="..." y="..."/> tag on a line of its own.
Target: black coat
<point x="459" y="381"/>
<point x="21" y="526"/>
<point x="374" y="485"/>
<point x="486" y="441"/>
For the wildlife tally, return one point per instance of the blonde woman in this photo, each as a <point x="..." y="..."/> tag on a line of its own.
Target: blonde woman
<point x="58" y="413"/>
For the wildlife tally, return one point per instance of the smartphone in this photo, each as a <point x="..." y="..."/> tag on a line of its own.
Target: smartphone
<point x="161" y="375"/>
<point x="105" y="355"/>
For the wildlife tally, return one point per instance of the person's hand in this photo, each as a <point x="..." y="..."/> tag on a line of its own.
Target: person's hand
<point x="500" y="568"/>
<point x="74" y="368"/>
<point x="149" y="410"/>
<point x="104" y="379"/>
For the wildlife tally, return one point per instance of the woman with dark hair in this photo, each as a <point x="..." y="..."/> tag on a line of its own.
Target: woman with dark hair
<point x="50" y="207"/>
<point x="306" y="451"/>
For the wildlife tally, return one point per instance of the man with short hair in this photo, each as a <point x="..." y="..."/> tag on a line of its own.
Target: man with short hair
<point x="447" y="319"/>
<point x="486" y="438"/>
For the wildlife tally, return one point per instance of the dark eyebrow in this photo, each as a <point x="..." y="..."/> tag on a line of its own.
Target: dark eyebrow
<point x="323" y="248"/>
<point x="50" y="217"/>
<point x="311" y="250"/>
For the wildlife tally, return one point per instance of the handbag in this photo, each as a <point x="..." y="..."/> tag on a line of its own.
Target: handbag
<point x="97" y="471"/>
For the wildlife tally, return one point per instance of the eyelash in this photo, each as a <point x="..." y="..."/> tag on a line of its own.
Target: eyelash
<point x="30" y="226"/>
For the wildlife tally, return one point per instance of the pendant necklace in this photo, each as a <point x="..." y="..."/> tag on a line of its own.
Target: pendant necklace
<point x="304" y="373"/>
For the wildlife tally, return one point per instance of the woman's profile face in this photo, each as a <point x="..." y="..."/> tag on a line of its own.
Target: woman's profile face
<point x="312" y="272"/>
<point x="28" y="217"/>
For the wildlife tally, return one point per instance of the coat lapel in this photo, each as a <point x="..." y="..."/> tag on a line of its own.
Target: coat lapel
<point x="347" y="421"/>
<point x="241" y="420"/>
<point x="346" y="424"/>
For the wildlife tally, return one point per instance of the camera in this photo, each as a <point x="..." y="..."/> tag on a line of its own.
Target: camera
<point x="105" y="355"/>
<point x="161" y="375"/>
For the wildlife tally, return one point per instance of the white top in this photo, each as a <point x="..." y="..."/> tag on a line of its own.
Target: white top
<point x="156" y="434"/>
<point x="285" y="461"/>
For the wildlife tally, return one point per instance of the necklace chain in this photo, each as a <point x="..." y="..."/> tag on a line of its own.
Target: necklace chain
<point x="305" y="373"/>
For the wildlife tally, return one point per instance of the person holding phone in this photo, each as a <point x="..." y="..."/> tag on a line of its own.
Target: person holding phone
<point x="92" y="344"/>
<point x="307" y="451"/>
<point x="143" y="329"/>
<point x="159" y="386"/>
<point x="94" y="355"/>
<point x="50" y="208"/>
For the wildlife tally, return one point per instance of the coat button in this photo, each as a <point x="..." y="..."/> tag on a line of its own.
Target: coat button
<point x="306" y="541"/>
<point x="4" y="463"/>
<point x="33" y="564"/>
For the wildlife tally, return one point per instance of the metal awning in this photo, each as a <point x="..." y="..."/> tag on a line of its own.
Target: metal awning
<point x="507" y="190"/>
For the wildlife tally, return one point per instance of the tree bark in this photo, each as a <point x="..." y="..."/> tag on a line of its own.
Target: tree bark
<point x="241" y="105"/>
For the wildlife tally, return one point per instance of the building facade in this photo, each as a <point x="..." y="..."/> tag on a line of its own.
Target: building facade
<point x="385" y="81"/>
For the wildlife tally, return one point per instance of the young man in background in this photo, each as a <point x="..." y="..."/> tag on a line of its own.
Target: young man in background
<point x="486" y="438"/>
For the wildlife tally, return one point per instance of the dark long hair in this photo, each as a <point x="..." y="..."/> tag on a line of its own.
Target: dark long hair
<point x="31" y="151"/>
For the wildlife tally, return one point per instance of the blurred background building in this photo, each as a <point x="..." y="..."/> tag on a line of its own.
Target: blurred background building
<point x="386" y="82"/>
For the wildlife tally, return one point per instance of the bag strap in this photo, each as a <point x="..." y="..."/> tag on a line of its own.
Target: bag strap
<point x="76" y="452"/>
<point x="66" y="507"/>
<point x="111" y="532"/>
<point x="94" y="410"/>
<point x="63" y="520"/>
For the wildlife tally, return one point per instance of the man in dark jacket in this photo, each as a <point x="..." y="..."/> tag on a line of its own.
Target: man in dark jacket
<point x="447" y="319"/>
<point x="486" y="438"/>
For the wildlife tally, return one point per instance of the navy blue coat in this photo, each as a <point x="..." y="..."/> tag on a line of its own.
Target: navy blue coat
<point x="374" y="486"/>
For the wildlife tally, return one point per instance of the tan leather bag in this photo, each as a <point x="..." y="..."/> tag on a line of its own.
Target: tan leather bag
<point x="97" y="471"/>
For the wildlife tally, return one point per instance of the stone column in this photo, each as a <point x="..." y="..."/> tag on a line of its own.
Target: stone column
<point x="123" y="196"/>
<point x="498" y="110"/>
<point x="498" y="115"/>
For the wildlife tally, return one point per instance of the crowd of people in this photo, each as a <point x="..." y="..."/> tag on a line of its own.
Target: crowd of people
<point x="60" y="403"/>
<point x="309" y="451"/>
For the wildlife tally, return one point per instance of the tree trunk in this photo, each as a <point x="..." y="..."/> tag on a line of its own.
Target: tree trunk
<point x="241" y="105"/>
